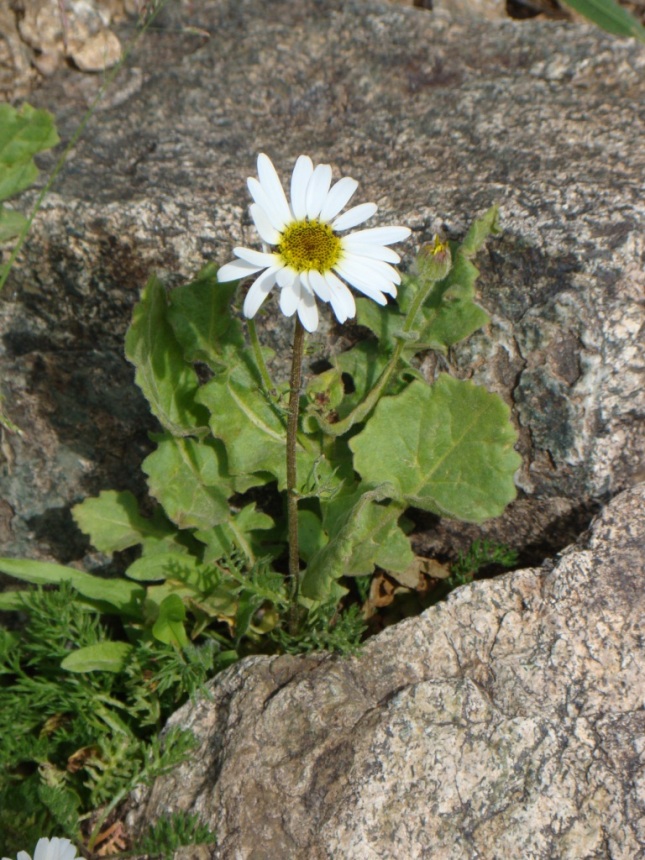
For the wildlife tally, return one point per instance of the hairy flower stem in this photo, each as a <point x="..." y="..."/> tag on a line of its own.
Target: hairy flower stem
<point x="292" y="477"/>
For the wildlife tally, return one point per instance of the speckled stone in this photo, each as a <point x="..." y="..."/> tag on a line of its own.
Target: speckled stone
<point x="506" y="722"/>
<point x="437" y="118"/>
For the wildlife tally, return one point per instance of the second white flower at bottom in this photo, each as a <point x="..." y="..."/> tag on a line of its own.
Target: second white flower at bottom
<point x="310" y="259"/>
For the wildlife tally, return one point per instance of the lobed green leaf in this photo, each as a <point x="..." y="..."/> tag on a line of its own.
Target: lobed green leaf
<point x="113" y="523"/>
<point x="446" y="448"/>
<point x="169" y="383"/>
<point x="23" y="133"/>
<point x="243" y="532"/>
<point x="479" y="231"/>
<point x="186" y="476"/>
<point x="362" y="532"/>
<point x="201" y="319"/>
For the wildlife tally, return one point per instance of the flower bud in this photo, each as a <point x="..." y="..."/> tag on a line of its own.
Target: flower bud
<point x="434" y="260"/>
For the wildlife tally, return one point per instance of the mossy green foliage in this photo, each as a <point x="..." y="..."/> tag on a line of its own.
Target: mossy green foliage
<point x="81" y="713"/>
<point x="24" y="132"/>
<point x="174" y="831"/>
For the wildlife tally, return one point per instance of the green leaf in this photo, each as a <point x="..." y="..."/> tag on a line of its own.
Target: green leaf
<point x="243" y="531"/>
<point x="450" y="313"/>
<point x="447" y="448"/>
<point x="12" y="601"/>
<point x="311" y="535"/>
<point x="364" y="363"/>
<point x="323" y="394"/>
<point x="609" y="15"/>
<point x="167" y="380"/>
<point x="448" y="318"/>
<point x="152" y="568"/>
<point x="102" y="657"/>
<point x="251" y="426"/>
<point x="117" y="594"/>
<point x="169" y="626"/>
<point x="23" y="133"/>
<point x="186" y="477"/>
<point x="113" y="523"/>
<point x="479" y="231"/>
<point x="11" y="223"/>
<point x="16" y="178"/>
<point x="361" y="534"/>
<point x="201" y="319"/>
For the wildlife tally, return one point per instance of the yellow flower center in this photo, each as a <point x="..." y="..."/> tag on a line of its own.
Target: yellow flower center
<point x="306" y="245"/>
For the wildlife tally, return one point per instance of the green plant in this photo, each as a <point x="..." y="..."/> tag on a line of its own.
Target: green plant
<point x="75" y="742"/>
<point x="24" y="132"/>
<point x="481" y="553"/>
<point x="172" y="832"/>
<point x="373" y="439"/>
<point x="610" y="16"/>
<point x="270" y="498"/>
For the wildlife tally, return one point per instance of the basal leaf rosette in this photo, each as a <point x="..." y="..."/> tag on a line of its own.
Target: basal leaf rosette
<point x="446" y="448"/>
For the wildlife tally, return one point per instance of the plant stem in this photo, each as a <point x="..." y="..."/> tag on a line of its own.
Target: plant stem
<point x="292" y="476"/>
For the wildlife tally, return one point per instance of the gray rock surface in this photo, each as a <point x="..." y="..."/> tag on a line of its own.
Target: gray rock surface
<point x="438" y="119"/>
<point x="507" y="722"/>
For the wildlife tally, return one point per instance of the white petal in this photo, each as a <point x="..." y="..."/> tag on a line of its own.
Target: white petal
<point x="286" y="277"/>
<point x="342" y="301"/>
<point x="263" y="225"/>
<point x="260" y="289"/>
<point x="236" y="271"/>
<point x="308" y="312"/>
<point x="317" y="190"/>
<point x="43" y="849"/>
<point x="54" y="849"/>
<point x="318" y="285"/>
<point x="273" y="211"/>
<point x="290" y="299"/>
<point x="272" y="186"/>
<point x="299" y="180"/>
<point x="361" y="269"/>
<point x="68" y="851"/>
<point x="355" y="215"/>
<point x="22" y="855"/>
<point x="365" y="249"/>
<point x="338" y="198"/>
<point x="361" y="284"/>
<point x="306" y="286"/>
<point x="256" y="258"/>
<point x="376" y="267"/>
<point x="382" y="235"/>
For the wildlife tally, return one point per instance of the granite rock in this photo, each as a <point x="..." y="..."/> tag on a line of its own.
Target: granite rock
<point x="506" y="722"/>
<point x="437" y="118"/>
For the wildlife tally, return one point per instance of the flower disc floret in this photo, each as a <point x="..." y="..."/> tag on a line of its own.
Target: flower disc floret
<point x="309" y="258"/>
<point x="307" y="245"/>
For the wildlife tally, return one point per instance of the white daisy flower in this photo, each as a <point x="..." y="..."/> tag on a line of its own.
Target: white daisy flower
<point x="309" y="258"/>
<point x="50" y="849"/>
